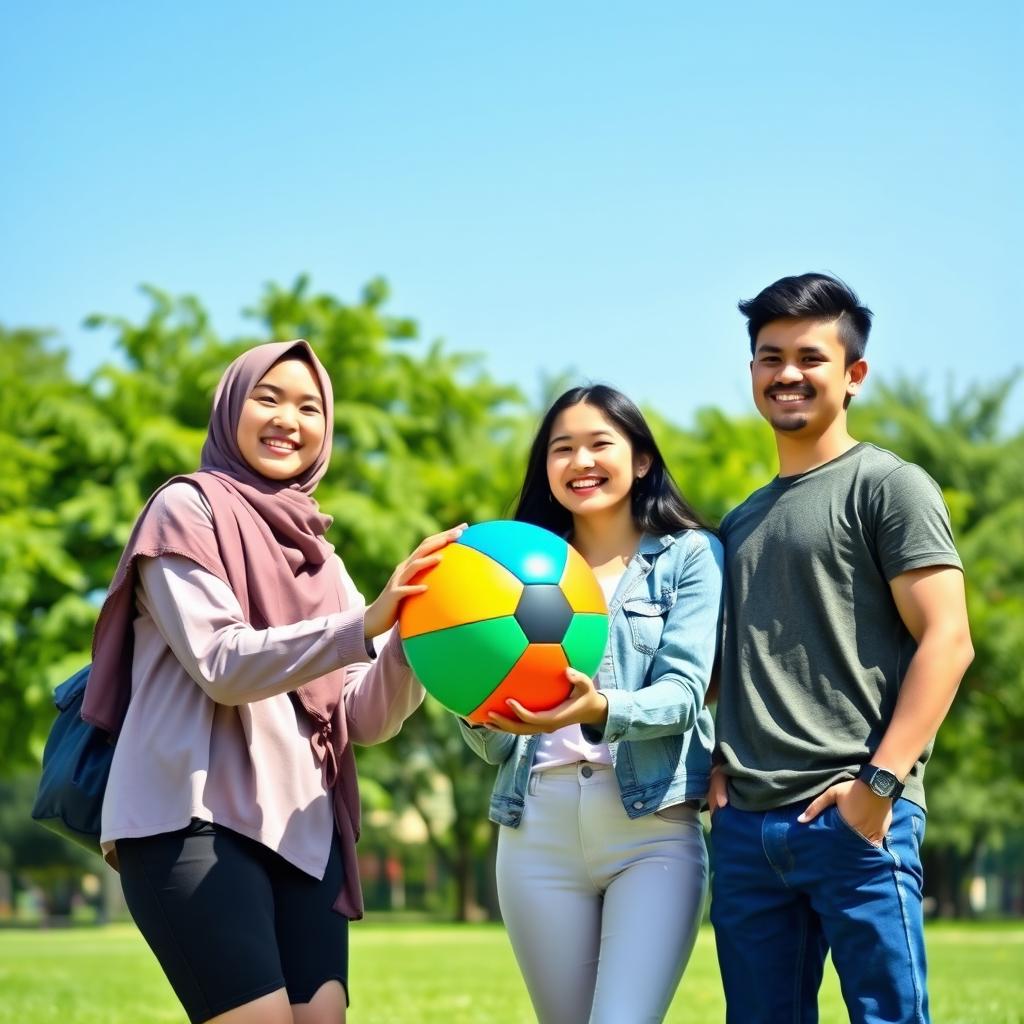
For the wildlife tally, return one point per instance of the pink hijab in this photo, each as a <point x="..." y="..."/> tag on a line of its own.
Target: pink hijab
<point x="268" y="545"/>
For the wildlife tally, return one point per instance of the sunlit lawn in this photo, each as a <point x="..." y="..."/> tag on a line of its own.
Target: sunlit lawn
<point x="418" y="974"/>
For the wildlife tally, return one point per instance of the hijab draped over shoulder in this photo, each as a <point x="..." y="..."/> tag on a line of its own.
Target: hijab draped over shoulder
<point x="268" y="546"/>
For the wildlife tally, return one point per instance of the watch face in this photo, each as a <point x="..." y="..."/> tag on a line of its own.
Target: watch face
<point x="883" y="783"/>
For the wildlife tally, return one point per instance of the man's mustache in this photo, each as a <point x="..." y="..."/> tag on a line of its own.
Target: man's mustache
<point x="791" y="389"/>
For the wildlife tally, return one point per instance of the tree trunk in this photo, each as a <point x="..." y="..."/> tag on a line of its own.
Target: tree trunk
<point x="944" y="877"/>
<point x="465" y="888"/>
<point x="6" y="896"/>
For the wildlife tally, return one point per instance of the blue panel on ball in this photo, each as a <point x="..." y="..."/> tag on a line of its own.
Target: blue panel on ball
<point x="533" y="554"/>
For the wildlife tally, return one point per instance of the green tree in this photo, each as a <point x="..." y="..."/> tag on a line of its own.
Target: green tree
<point x="51" y="439"/>
<point x="421" y="442"/>
<point x="425" y="439"/>
<point x="719" y="460"/>
<point x="976" y="774"/>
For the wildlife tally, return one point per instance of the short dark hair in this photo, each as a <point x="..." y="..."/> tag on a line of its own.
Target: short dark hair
<point x="657" y="505"/>
<point x="811" y="297"/>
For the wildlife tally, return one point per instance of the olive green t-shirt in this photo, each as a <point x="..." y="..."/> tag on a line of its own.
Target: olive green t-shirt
<point x="814" y="650"/>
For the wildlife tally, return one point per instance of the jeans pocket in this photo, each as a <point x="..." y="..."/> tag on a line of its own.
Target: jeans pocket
<point x="714" y="812"/>
<point x="860" y="835"/>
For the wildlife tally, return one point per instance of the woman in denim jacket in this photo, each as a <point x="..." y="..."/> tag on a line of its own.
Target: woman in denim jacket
<point x="602" y="867"/>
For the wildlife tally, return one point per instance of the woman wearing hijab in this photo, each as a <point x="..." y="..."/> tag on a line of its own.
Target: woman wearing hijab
<point x="233" y="660"/>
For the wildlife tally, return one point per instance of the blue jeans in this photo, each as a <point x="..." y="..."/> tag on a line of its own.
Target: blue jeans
<point x="783" y="893"/>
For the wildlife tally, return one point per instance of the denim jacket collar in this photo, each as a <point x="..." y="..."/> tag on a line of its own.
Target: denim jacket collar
<point x="639" y="566"/>
<point x="651" y="545"/>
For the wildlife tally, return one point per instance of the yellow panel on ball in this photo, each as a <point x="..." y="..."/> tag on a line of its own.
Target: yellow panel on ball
<point x="465" y="586"/>
<point x="580" y="586"/>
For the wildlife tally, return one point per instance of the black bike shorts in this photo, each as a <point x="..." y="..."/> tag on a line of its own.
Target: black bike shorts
<point x="230" y="920"/>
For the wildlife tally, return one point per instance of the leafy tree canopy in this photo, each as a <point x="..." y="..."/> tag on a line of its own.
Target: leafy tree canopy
<point x="425" y="438"/>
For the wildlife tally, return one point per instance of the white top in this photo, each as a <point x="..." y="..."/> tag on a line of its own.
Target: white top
<point x="567" y="745"/>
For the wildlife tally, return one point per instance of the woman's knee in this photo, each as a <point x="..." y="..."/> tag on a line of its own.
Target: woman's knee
<point x="326" y="1007"/>
<point x="272" y="1008"/>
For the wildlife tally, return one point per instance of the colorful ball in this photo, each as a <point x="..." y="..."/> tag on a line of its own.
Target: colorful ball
<point x="510" y="606"/>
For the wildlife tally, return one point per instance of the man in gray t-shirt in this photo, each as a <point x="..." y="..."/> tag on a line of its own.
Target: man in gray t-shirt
<point x="845" y="639"/>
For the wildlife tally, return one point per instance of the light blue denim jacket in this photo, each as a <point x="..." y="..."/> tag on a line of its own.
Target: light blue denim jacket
<point x="664" y="623"/>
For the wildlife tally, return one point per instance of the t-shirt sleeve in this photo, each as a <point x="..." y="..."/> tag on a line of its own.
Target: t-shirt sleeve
<point x="912" y="529"/>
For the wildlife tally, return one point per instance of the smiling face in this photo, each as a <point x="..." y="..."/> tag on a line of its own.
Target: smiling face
<point x="282" y="426"/>
<point x="591" y="464"/>
<point x="800" y="378"/>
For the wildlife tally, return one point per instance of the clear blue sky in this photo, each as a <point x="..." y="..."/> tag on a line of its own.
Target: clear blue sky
<point x="586" y="185"/>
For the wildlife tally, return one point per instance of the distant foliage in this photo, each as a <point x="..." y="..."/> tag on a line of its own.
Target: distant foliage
<point x="425" y="439"/>
<point x="976" y="776"/>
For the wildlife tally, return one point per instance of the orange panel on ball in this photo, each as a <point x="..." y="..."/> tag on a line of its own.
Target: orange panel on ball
<point x="537" y="681"/>
<point x="466" y="586"/>
<point x="580" y="586"/>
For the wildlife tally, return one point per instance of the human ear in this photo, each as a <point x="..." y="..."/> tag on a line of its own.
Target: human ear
<point x="855" y="374"/>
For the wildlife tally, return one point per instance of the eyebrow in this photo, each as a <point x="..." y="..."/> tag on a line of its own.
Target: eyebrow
<point x="280" y="391"/>
<point x="568" y="437"/>
<point x="775" y="350"/>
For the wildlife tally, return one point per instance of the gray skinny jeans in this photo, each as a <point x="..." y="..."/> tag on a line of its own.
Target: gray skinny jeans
<point x="602" y="910"/>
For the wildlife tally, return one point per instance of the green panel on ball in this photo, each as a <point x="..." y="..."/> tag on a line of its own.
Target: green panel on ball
<point x="463" y="665"/>
<point x="584" y="642"/>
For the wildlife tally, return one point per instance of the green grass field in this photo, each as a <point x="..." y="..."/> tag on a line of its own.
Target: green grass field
<point x="448" y="974"/>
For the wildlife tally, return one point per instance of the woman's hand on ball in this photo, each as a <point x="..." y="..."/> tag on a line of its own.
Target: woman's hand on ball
<point x="586" y="705"/>
<point x="383" y="613"/>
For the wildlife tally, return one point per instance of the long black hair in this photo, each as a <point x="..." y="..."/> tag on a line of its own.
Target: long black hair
<point x="657" y="505"/>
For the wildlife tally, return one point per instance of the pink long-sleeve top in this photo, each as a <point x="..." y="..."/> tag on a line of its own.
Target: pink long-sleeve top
<point x="211" y="730"/>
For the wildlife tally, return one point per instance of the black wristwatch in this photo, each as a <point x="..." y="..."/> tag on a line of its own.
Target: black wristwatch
<point x="881" y="782"/>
